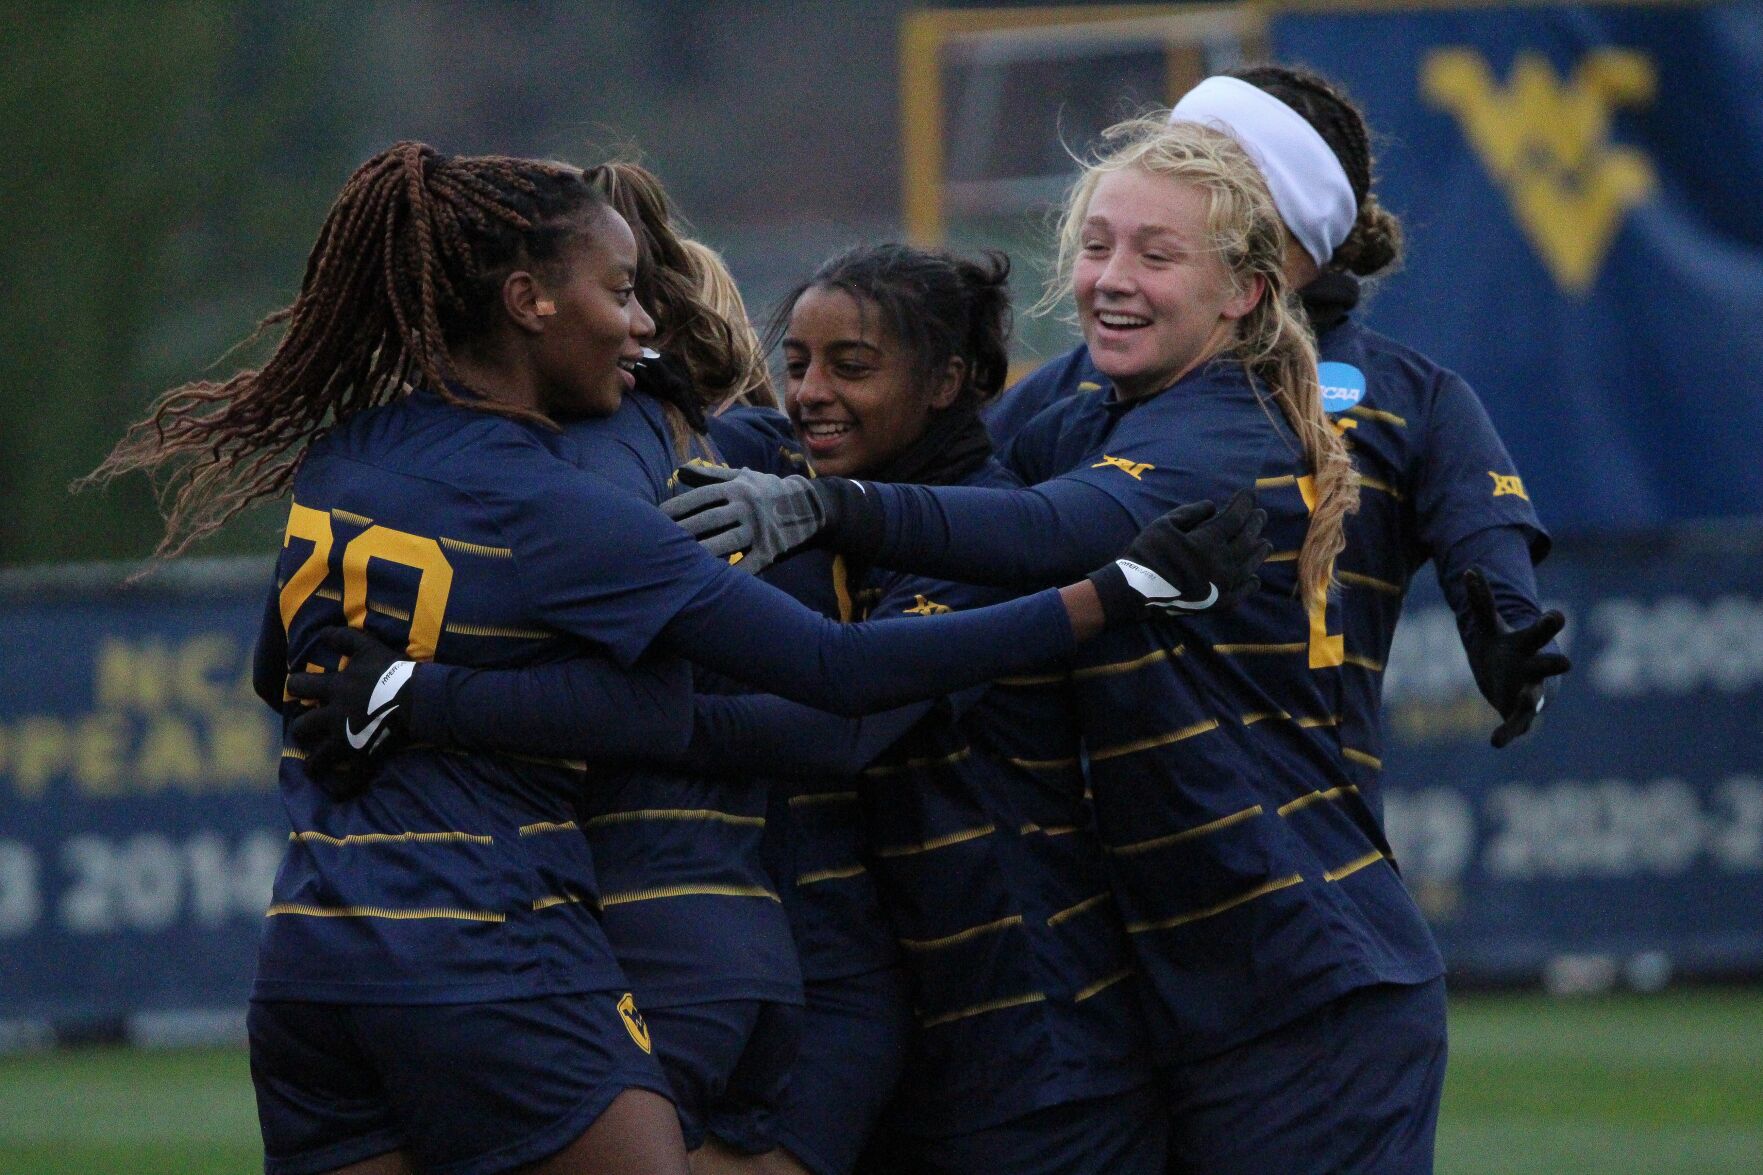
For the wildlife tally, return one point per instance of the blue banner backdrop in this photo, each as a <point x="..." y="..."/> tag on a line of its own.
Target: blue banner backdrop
<point x="1580" y="188"/>
<point x="139" y="826"/>
<point x="1629" y="824"/>
<point x="139" y="829"/>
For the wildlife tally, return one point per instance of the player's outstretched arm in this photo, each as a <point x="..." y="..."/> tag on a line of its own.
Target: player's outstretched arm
<point x="583" y="708"/>
<point x="1510" y="665"/>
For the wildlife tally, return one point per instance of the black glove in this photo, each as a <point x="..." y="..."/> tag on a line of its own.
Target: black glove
<point x="361" y="712"/>
<point x="1508" y="667"/>
<point x="1193" y="559"/>
<point x="667" y="378"/>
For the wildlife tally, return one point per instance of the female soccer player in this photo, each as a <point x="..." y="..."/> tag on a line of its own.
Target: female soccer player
<point x="426" y="987"/>
<point x="1296" y="1012"/>
<point x="1027" y="1055"/>
<point x="1443" y="486"/>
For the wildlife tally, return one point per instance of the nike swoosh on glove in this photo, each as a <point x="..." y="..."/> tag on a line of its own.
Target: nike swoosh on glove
<point x="360" y="712"/>
<point x="1193" y="559"/>
<point x="760" y="516"/>
<point x="1510" y="668"/>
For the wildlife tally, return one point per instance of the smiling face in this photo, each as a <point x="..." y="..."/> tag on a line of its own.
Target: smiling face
<point x="590" y="344"/>
<point x="850" y="388"/>
<point x="1154" y="298"/>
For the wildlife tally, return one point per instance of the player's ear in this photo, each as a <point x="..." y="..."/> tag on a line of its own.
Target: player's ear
<point x="1247" y="297"/>
<point x="525" y="302"/>
<point x="949" y="385"/>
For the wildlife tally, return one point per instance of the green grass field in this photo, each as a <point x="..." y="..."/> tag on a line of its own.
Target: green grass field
<point x="1666" y="1085"/>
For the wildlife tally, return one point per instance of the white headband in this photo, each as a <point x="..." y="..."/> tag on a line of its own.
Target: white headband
<point x="1308" y="183"/>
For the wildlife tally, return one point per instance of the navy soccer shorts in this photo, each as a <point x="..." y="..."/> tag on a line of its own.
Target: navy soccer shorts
<point x="1352" y="1086"/>
<point x="854" y="1038"/>
<point x="727" y="1062"/>
<point x="1122" y="1134"/>
<point x="463" y="1089"/>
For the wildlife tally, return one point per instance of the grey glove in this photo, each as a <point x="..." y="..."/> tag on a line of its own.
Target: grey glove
<point x="759" y="516"/>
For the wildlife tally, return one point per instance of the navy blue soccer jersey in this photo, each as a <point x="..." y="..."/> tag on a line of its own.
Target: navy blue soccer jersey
<point x="457" y="877"/>
<point x="1437" y="484"/>
<point x="1222" y="793"/>
<point x="990" y="870"/>
<point x="815" y="842"/>
<point x="688" y="906"/>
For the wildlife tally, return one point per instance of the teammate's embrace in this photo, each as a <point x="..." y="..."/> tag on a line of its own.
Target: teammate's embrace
<point x="434" y="988"/>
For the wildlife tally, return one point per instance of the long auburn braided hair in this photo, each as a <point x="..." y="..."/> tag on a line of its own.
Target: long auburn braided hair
<point x="407" y="271"/>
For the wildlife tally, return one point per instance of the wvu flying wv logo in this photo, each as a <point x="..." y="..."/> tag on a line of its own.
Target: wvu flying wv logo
<point x="925" y="607"/>
<point x="1547" y="142"/>
<point x="634" y="1022"/>
<point x="1508" y="484"/>
<point x="1133" y="469"/>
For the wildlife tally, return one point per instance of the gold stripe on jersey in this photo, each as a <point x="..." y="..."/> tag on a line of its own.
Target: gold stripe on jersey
<point x="1175" y="838"/>
<point x="808" y="799"/>
<point x="841" y="574"/>
<point x="1370" y="413"/>
<point x="293" y="753"/>
<point x="343" y="515"/>
<point x="1043" y="764"/>
<point x="1302" y="802"/>
<point x="1009" y="1001"/>
<point x="607" y="901"/>
<point x="961" y="936"/>
<point x="936" y="842"/>
<point x="1282" y="716"/>
<point x="1155" y="741"/>
<point x="838" y="874"/>
<point x="1282" y="557"/>
<point x="1274" y="483"/>
<point x="388" y="610"/>
<point x="1101" y="985"/>
<point x="1353" y="866"/>
<point x="710" y="815"/>
<point x="1070" y="912"/>
<point x="281" y="909"/>
<point x="545" y="826"/>
<point x="384" y="838"/>
<point x="557" y="899"/>
<point x="465" y="548"/>
<point x="912" y="764"/>
<point x="1363" y="662"/>
<point x="1049" y="830"/>
<point x="1260" y="891"/>
<point x="1235" y="650"/>
<point x="1362" y="758"/>
<point x="522" y="634"/>
<point x="1371" y="483"/>
<point x="1027" y="679"/>
<point x="1114" y="667"/>
<point x="1366" y="581"/>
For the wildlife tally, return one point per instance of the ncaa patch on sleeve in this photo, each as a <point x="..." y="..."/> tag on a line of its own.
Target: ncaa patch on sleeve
<point x="1343" y="385"/>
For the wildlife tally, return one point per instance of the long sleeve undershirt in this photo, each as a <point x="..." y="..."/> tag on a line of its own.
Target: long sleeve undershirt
<point x="1055" y="532"/>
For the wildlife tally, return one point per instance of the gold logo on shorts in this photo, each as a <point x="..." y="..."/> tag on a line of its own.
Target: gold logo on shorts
<point x="633" y="1021"/>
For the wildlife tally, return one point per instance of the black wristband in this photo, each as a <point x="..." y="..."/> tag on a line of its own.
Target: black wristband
<point x="853" y="522"/>
<point x="1120" y="603"/>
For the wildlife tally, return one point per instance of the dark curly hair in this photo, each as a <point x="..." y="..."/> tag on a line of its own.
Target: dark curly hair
<point x="938" y="305"/>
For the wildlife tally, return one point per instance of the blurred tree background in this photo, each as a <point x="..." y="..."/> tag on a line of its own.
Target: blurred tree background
<point x="168" y="165"/>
